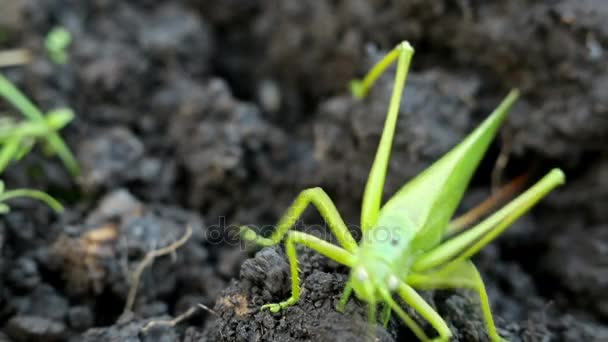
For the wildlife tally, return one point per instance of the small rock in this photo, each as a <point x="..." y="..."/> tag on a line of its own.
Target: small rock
<point x="109" y="157"/>
<point x="34" y="328"/>
<point x="24" y="274"/>
<point x="130" y="331"/>
<point x="80" y="317"/>
<point x="45" y="302"/>
<point x="117" y="204"/>
<point x="269" y="269"/>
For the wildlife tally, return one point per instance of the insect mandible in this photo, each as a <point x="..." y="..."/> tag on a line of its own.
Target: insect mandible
<point x="418" y="249"/>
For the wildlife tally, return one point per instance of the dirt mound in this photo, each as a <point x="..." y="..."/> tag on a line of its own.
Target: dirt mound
<point x="217" y="113"/>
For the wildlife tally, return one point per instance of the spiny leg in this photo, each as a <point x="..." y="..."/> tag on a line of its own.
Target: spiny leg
<point x="411" y="297"/>
<point x="459" y="274"/>
<point x="326" y="207"/>
<point x="372" y="195"/>
<point x="466" y="244"/>
<point x="448" y="263"/>
<point x="329" y="250"/>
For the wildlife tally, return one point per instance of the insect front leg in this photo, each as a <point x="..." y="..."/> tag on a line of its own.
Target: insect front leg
<point x="460" y="274"/>
<point x="410" y="322"/>
<point x="348" y="291"/>
<point x="331" y="251"/>
<point x="411" y="297"/>
<point x="385" y="316"/>
<point x="326" y="207"/>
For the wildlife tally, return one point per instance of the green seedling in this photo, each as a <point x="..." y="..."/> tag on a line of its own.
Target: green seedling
<point x="57" y="42"/>
<point x="17" y="139"/>
<point x="37" y="126"/>
<point x="35" y="194"/>
<point x="406" y="243"/>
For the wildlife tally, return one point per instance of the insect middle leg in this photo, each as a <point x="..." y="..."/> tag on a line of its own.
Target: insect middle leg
<point x="326" y="207"/>
<point x="329" y="250"/>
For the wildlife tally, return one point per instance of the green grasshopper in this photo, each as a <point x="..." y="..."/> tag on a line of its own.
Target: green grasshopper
<point x="407" y="243"/>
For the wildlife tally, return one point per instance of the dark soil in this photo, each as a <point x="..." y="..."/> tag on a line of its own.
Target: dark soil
<point x="211" y="114"/>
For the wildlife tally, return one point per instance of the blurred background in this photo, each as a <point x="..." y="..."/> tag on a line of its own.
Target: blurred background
<point x="211" y="114"/>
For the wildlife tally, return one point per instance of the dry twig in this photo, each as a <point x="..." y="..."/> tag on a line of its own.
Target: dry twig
<point x="147" y="261"/>
<point x="177" y="320"/>
<point x="502" y="160"/>
<point x="15" y="57"/>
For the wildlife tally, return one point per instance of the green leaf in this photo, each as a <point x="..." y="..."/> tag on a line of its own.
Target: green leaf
<point x="35" y="194"/>
<point x="430" y="199"/>
<point x="58" y="118"/>
<point x="4" y="209"/>
<point x="25" y="148"/>
<point x="8" y="151"/>
<point x="57" y="43"/>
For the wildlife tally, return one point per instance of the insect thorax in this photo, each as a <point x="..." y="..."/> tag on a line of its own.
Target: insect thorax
<point x="390" y="240"/>
<point x="384" y="257"/>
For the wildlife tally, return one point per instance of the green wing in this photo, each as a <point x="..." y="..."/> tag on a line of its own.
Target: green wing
<point x="431" y="198"/>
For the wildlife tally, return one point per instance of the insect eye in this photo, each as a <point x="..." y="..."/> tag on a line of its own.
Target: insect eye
<point x="362" y="274"/>
<point x="394" y="241"/>
<point x="392" y="282"/>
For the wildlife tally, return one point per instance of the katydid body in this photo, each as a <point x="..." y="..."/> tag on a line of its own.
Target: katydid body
<point x="404" y="246"/>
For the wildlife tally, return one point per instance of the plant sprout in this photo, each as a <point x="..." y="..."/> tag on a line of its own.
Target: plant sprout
<point x="57" y="42"/>
<point x="44" y="127"/>
<point x="407" y="243"/>
<point x="15" y="193"/>
<point x="18" y="138"/>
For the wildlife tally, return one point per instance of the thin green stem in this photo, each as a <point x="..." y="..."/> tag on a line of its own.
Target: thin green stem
<point x="39" y="195"/>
